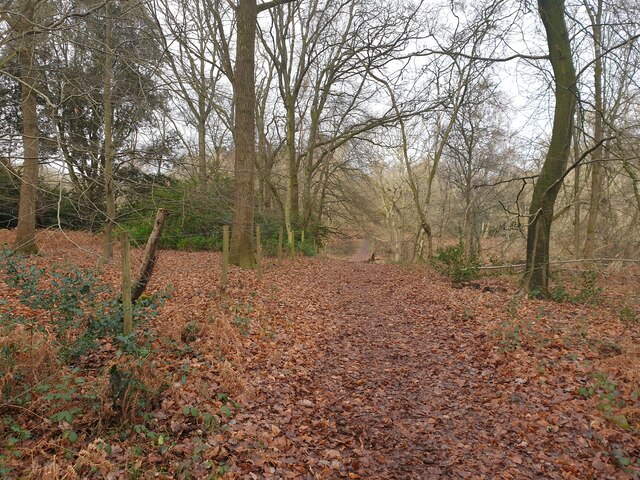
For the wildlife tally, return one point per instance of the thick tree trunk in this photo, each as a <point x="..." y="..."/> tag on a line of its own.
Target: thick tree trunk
<point x="26" y="231"/>
<point x="110" y="203"/>
<point x="242" y="251"/>
<point x="310" y="194"/>
<point x="536" y="279"/>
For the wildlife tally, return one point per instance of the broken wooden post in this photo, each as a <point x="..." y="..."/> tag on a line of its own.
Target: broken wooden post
<point x="149" y="259"/>
<point x="259" y="251"/>
<point x="280" y="243"/>
<point x="127" y="310"/>
<point x="225" y="258"/>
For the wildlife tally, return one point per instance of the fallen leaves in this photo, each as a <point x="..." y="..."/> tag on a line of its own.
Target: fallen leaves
<point x="352" y="370"/>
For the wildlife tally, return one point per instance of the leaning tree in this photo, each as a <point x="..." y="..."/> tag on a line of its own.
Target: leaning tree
<point x="536" y="278"/>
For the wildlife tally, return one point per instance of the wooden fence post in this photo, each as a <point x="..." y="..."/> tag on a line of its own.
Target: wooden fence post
<point x="280" y="243"/>
<point x="259" y="251"/>
<point x="302" y="237"/>
<point x="225" y="257"/>
<point x="127" y="309"/>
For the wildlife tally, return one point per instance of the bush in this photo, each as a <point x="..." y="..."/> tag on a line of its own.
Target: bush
<point x="307" y="248"/>
<point x="139" y="232"/>
<point x="453" y="262"/>
<point x="589" y="291"/>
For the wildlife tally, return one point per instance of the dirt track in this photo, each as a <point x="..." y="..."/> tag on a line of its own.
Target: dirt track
<point x="363" y="253"/>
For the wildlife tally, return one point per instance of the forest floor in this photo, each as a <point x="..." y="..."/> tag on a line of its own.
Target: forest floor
<point x="332" y="369"/>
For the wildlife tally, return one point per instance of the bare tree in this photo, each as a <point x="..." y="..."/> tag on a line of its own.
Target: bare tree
<point x="244" y="99"/>
<point x="536" y="279"/>
<point x="595" y="15"/>
<point x="190" y="37"/>
<point x="109" y="194"/>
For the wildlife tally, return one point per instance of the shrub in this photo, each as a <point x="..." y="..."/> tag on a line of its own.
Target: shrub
<point x="628" y="315"/>
<point x="198" y="243"/>
<point x="307" y="248"/>
<point x="139" y="231"/>
<point x="195" y="217"/>
<point x="589" y="290"/>
<point x="453" y="262"/>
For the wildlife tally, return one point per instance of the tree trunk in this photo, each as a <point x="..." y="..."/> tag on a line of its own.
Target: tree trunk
<point x="596" y="166"/>
<point x="310" y="200"/>
<point x="202" y="145"/>
<point x="149" y="261"/>
<point x="634" y="180"/>
<point x="241" y="251"/>
<point x="107" y="251"/>
<point x="536" y="279"/>
<point x="26" y="231"/>
<point x="203" y="114"/>
<point x="292" y="206"/>
<point x="576" y="198"/>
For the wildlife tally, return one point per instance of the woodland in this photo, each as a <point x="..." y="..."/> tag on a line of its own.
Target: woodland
<point x="319" y="239"/>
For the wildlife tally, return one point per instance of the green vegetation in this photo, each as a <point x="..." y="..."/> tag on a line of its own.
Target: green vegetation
<point x="589" y="291"/>
<point x="51" y="350"/>
<point x="610" y="399"/>
<point x="456" y="264"/>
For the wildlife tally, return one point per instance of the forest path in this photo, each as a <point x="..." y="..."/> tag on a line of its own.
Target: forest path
<point x="363" y="252"/>
<point x="357" y="370"/>
<point x="381" y="374"/>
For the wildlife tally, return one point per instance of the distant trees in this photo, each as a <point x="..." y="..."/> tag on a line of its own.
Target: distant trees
<point x="397" y="119"/>
<point x="195" y="63"/>
<point x="325" y="59"/>
<point x="476" y="155"/>
<point x="103" y="93"/>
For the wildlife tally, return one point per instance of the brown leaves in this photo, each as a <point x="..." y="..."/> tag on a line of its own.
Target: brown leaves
<point x="353" y="370"/>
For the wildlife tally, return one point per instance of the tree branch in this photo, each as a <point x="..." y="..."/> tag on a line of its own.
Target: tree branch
<point x="273" y="3"/>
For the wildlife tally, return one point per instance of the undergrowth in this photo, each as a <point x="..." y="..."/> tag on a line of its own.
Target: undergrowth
<point x="65" y="360"/>
<point x="589" y="291"/>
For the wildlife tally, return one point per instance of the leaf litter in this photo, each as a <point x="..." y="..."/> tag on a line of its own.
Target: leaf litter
<point x="329" y="369"/>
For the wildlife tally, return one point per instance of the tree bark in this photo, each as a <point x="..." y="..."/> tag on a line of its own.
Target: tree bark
<point x="292" y="206"/>
<point x="149" y="261"/>
<point x="536" y="279"/>
<point x="109" y="195"/>
<point x="242" y="251"/>
<point x="26" y="231"/>
<point x="596" y="156"/>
